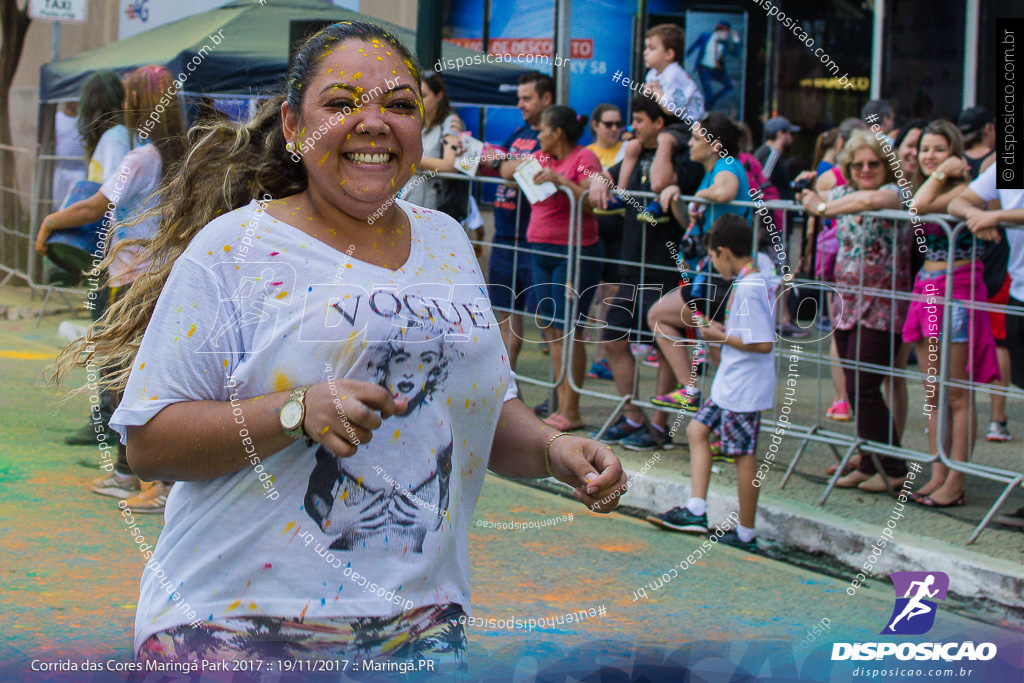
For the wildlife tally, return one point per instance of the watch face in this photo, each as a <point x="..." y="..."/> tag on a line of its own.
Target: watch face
<point x="291" y="414"/>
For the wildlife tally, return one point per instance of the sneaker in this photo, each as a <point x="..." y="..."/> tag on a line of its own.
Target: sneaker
<point x="680" y="519"/>
<point x="840" y="411"/>
<point x="997" y="431"/>
<point x="642" y="440"/>
<point x="1014" y="519"/>
<point x="641" y="349"/>
<point x="618" y="431"/>
<point x="652" y="360"/>
<point x="87" y="436"/>
<point x="116" y="485"/>
<point x="600" y="370"/>
<point x="732" y="538"/>
<point x="794" y="331"/>
<point x="679" y="399"/>
<point x="151" y="500"/>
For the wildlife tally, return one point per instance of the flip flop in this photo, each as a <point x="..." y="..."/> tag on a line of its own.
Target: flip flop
<point x="561" y="423"/>
<point x="926" y="501"/>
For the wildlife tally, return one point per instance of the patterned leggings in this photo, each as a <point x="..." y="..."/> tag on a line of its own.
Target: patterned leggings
<point x="424" y="634"/>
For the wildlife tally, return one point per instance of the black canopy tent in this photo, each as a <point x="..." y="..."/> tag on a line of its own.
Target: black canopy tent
<point x="251" y="58"/>
<point x="250" y="61"/>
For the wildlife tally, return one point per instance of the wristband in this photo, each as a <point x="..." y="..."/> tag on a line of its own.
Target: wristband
<point x="547" y="453"/>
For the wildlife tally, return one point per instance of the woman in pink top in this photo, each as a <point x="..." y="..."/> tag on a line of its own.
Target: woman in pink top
<point x="566" y="164"/>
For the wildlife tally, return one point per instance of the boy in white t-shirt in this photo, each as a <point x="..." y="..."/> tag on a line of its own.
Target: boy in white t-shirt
<point x="744" y="385"/>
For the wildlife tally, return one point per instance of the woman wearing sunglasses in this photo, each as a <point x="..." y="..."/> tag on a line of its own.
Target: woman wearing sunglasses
<point x="874" y="254"/>
<point x="609" y="148"/>
<point x="606" y="126"/>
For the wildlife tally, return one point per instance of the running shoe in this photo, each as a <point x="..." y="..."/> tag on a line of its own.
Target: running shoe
<point x="680" y="519"/>
<point x="793" y="331"/>
<point x="657" y="213"/>
<point x="652" y="359"/>
<point x="1014" y="519"/>
<point x="151" y="500"/>
<point x="840" y="411"/>
<point x="618" y="431"/>
<point x="732" y="538"/>
<point x="997" y="431"/>
<point x="679" y="399"/>
<point x="641" y="349"/>
<point x="116" y="485"/>
<point x="642" y="440"/>
<point x="88" y="436"/>
<point x="600" y="370"/>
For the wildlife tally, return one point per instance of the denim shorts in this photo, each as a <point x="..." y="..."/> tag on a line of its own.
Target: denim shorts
<point x="959" y="316"/>
<point x="550" y="269"/>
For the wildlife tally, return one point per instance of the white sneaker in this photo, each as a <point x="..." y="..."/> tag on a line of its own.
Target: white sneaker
<point x="116" y="485"/>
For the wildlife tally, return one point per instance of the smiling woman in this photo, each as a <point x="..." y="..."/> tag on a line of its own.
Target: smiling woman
<point x="413" y="357"/>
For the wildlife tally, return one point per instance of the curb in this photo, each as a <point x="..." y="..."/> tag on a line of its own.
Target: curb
<point x="811" y="530"/>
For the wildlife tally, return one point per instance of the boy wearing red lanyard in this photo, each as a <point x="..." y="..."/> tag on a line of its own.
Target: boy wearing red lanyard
<point x="744" y="385"/>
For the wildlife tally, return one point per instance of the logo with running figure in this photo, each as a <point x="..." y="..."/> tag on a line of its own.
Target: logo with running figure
<point x="914" y="612"/>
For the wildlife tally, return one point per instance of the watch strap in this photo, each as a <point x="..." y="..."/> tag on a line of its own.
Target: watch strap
<point x="298" y="394"/>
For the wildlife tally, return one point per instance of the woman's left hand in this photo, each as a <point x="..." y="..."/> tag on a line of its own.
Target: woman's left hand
<point x="590" y="467"/>
<point x="953" y="167"/>
<point x="546" y="174"/>
<point x="984" y="225"/>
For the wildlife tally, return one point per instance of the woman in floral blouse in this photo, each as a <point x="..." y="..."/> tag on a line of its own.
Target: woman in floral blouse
<point x="873" y="259"/>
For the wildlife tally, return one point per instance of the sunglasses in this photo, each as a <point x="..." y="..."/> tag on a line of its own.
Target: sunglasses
<point x="864" y="165"/>
<point x="611" y="124"/>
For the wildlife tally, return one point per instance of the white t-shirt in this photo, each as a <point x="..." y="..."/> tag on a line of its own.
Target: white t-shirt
<point x="680" y="90"/>
<point x="111" y="148"/>
<point x="131" y="189"/>
<point x="289" y="311"/>
<point x="745" y="381"/>
<point x="985" y="187"/>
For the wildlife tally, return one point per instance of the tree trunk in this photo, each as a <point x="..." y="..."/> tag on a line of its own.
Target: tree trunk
<point x="14" y="23"/>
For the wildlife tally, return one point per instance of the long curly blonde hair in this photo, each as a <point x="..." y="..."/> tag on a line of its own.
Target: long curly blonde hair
<point x="225" y="167"/>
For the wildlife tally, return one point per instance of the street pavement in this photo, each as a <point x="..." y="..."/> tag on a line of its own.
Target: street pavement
<point x="69" y="574"/>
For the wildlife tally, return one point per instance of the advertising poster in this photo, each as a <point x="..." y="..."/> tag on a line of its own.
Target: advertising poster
<point x="523" y="31"/>
<point x="716" y="57"/>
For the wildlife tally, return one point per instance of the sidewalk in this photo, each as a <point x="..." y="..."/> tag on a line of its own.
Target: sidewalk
<point x="988" y="576"/>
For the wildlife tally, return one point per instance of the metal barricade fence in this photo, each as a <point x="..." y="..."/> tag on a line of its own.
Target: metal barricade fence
<point x="21" y="212"/>
<point x="899" y="296"/>
<point x="18" y="258"/>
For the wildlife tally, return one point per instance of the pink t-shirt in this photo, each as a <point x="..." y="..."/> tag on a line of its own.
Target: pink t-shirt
<point x="549" y="219"/>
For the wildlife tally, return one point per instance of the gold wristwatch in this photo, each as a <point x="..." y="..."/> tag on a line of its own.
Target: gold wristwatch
<point x="940" y="176"/>
<point x="820" y="208"/>
<point x="293" y="414"/>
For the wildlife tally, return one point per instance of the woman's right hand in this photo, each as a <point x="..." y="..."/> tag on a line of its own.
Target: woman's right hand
<point x="599" y="191"/>
<point x="341" y="414"/>
<point x="669" y="195"/>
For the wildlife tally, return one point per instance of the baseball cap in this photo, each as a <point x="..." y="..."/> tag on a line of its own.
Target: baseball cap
<point x="777" y="125"/>
<point x="974" y="119"/>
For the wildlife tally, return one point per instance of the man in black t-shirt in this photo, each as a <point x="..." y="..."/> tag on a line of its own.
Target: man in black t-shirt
<point x="640" y="288"/>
